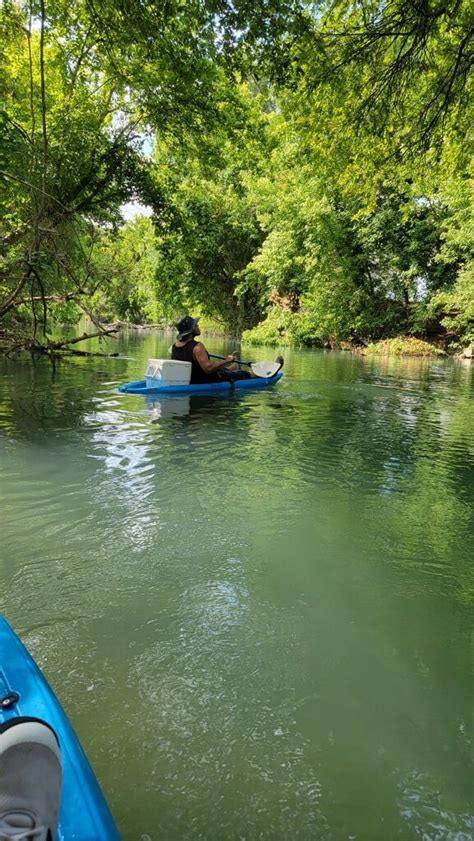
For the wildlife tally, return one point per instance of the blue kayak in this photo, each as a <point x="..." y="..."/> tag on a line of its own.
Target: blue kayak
<point x="24" y="691"/>
<point x="225" y="387"/>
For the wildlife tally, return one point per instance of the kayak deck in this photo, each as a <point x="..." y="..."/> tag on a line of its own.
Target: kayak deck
<point x="84" y="814"/>
<point x="140" y="386"/>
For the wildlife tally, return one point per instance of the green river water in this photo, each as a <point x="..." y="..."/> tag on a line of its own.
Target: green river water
<point x="254" y="609"/>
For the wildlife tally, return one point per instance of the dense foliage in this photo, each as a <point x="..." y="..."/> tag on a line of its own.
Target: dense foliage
<point x="308" y="170"/>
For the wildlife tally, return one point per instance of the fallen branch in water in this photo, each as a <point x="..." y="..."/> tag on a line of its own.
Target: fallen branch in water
<point x="104" y="331"/>
<point x="60" y="348"/>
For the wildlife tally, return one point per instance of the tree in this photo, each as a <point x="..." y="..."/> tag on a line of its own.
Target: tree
<point x="82" y="84"/>
<point x="209" y="231"/>
<point x="399" y="71"/>
<point x="129" y="258"/>
<point x="69" y="160"/>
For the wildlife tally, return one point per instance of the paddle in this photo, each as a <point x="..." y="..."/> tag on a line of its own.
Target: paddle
<point x="260" y="369"/>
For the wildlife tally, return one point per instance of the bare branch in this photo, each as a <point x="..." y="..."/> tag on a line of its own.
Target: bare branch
<point x="43" y="192"/>
<point x="55" y="299"/>
<point x="42" y="299"/>
<point x="30" y="61"/>
<point x="66" y="342"/>
<point x="43" y="92"/>
<point x="11" y="300"/>
<point x="83" y="53"/>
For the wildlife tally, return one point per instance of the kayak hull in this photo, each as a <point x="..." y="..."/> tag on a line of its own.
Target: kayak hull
<point x="140" y="386"/>
<point x="84" y="814"/>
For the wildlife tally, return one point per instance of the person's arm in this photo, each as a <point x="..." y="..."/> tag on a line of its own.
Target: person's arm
<point x="201" y="357"/>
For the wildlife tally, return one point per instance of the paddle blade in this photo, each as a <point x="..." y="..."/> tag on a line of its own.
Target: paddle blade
<point x="265" y="369"/>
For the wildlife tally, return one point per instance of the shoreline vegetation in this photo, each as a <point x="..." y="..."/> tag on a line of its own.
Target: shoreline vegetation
<point x="297" y="179"/>
<point x="17" y="341"/>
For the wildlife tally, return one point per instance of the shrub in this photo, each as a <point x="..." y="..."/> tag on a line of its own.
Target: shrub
<point x="284" y="327"/>
<point x="404" y="346"/>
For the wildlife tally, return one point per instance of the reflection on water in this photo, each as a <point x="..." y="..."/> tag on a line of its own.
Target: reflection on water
<point x="168" y="407"/>
<point x="255" y="604"/>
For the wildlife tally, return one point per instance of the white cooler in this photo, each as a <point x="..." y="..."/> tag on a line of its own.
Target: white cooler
<point x="161" y="372"/>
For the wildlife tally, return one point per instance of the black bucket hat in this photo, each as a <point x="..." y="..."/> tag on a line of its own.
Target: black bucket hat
<point x="185" y="326"/>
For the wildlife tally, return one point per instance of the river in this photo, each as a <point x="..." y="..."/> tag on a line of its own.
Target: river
<point x="254" y="609"/>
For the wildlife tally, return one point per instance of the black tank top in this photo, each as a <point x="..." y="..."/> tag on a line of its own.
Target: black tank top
<point x="185" y="354"/>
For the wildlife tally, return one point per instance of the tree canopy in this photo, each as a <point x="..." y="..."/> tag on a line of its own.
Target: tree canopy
<point x="307" y="167"/>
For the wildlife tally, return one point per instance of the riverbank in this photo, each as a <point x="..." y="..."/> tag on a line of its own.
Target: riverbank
<point x="12" y="341"/>
<point x="397" y="346"/>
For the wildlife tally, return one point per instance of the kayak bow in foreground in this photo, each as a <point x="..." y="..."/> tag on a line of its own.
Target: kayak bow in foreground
<point x="24" y="691"/>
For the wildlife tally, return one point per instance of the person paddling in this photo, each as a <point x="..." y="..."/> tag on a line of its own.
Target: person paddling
<point x="186" y="349"/>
